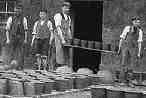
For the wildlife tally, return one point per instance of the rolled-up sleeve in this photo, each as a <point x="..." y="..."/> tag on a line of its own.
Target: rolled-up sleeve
<point x="140" y="38"/>
<point x="69" y="20"/>
<point x="50" y="26"/>
<point x="125" y="31"/>
<point x="34" y="28"/>
<point x="57" y="19"/>
<point x="25" y="23"/>
<point x="8" y="24"/>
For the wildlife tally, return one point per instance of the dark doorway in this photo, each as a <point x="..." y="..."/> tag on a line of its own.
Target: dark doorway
<point x="87" y="17"/>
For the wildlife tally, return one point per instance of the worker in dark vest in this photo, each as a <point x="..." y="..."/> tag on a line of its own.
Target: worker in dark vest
<point x="16" y="36"/>
<point x="130" y="47"/>
<point x="42" y="37"/>
<point x="62" y="35"/>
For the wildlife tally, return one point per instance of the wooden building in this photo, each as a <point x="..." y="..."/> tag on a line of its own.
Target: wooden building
<point x="86" y="16"/>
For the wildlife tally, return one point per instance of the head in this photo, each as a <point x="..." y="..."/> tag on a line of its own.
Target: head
<point x="18" y="11"/>
<point x="66" y="7"/>
<point x="136" y="21"/>
<point x="43" y="14"/>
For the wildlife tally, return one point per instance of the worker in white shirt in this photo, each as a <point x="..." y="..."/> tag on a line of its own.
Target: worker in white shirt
<point x="42" y="36"/>
<point x="16" y="36"/>
<point x="130" y="46"/>
<point x="62" y="35"/>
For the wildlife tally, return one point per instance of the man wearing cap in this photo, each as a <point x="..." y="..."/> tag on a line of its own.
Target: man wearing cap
<point x="42" y="35"/>
<point x="63" y="34"/>
<point x="130" y="46"/>
<point x="16" y="36"/>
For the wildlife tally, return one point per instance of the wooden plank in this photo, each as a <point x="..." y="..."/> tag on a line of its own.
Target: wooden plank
<point x="105" y="51"/>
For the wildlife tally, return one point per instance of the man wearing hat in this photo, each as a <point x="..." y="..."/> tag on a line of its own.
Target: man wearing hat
<point x="16" y="36"/>
<point x="130" y="47"/>
<point x="62" y="34"/>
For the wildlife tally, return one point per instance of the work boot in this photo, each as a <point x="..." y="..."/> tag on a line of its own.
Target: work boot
<point x="130" y="78"/>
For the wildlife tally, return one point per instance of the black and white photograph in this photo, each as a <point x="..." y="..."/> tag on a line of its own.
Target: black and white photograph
<point x="72" y="48"/>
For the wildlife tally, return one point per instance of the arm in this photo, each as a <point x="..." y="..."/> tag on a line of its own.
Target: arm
<point x="123" y="37"/>
<point x="34" y="33"/>
<point x="139" y="42"/>
<point x="70" y="32"/>
<point x="50" y="26"/>
<point x="58" y="19"/>
<point x="25" y="28"/>
<point x="8" y="26"/>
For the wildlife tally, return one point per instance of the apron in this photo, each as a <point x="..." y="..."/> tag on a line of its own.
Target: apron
<point x="62" y="53"/>
<point x="130" y="48"/>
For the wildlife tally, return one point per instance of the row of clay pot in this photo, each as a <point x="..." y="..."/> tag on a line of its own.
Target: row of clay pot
<point x="91" y="44"/>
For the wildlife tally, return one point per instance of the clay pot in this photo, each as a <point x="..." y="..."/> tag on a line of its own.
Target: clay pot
<point x="97" y="45"/>
<point x="84" y="43"/>
<point x="76" y="42"/>
<point x="90" y="44"/>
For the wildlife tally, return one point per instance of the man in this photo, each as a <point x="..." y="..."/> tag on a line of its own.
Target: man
<point x="16" y="36"/>
<point x="130" y="47"/>
<point x="43" y="36"/>
<point x="62" y="34"/>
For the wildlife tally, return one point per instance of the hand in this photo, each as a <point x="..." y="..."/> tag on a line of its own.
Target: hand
<point x="31" y="44"/>
<point x="8" y="41"/>
<point x="119" y="51"/>
<point x="50" y="42"/>
<point x="138" y="55"/>
<point x="63" y="41"/>
<point x="25" y="41"/>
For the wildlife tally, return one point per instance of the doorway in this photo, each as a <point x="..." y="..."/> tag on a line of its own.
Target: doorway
<point x="87" y="17"/>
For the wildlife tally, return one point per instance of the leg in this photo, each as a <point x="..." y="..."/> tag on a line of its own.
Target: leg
<point x="124" y="64"/>
<point x="45" y="53"/>
<point x="20" y="54"/>
<point x="14" y="53"/>
<point x="59" y="52"/>
<point x="37" y="52"/>
<point x="133" y="63"/>
<point x="67" y="55"/>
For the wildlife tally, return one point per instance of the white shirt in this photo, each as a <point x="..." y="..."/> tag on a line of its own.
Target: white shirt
<point x="58" y="19"/>
<point x="49" y="24"/>
<point x="127" y="29"/>
<point x="9" y="23"/>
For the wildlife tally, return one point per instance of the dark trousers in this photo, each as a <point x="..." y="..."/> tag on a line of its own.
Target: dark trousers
<point x="129" y="62"/>
<point x="17" y="51"/>
<point x="41" y="46"/>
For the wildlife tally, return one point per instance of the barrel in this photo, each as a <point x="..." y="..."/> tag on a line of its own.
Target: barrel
<point x="76" y="42"/>
<point x="63" y="84"/>
<point x="85" y="71"/>
<point x="64" y="69"/>
<point x="84" y="43"/>
<point x="69" y="94"/>
<point x="81" y="82"/>
<point x="98" y="91"/>
<point x="114" y="92"/>
<point x="132" y="94"/>
<point x="91" y="44"/>
<point x="48" y="86"/>
<point x="15" y="87"/>
<point x="3" y="86"/>
<point x="34" y="87"/>
<point x="95" y="80"/>
<point x="106" y="77"/>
